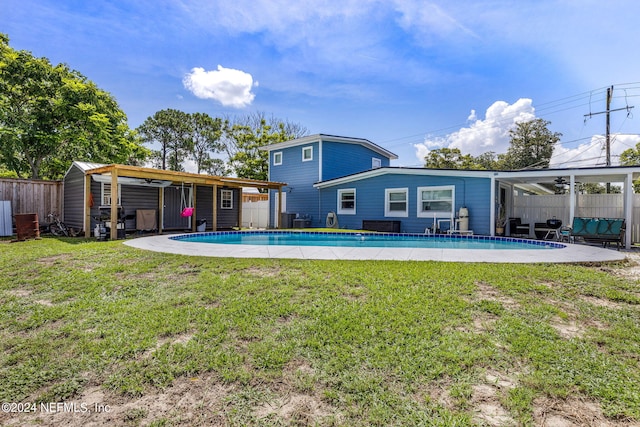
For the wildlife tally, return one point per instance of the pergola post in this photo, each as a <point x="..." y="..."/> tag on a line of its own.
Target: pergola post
<point x="114" y="204"/>
<point x="214" y="220"/>
<point x="160" y="209"/>
<point x="193" y="217"/>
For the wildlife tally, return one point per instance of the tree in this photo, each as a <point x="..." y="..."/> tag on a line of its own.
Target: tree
<point x="531" y="145"/>
<point x="631" y="157"/>
<point x="52" y="115"/>
<point x="205" y="133"/>
<point x="245" y="136"/>
<point x="452" y="158"/>
<point x="448" y="158"/>
<point x="171" y="130"/>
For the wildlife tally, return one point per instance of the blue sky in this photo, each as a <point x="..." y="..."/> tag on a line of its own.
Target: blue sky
<point x="408" y="75"/>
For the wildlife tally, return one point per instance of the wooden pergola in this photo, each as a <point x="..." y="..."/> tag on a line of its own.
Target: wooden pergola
<point x="194" y="179"/>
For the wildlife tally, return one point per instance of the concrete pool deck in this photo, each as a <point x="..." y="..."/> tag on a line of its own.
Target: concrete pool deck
<point x="572" y="253"/>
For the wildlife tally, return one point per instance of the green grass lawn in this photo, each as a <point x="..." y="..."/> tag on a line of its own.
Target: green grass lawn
<point x="175" y="340"/>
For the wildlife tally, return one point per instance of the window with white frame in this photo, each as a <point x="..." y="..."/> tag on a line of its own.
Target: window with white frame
<point x="436" y="201"/>
<point x="347" y="201"/>
<point x="277" y="158"/>
<point x="105" y="194"/>
<point x="376" y="163"/>
<point x="307" y="153"/>
<point x="396" y="202"/>
<point x="226" y="199"/>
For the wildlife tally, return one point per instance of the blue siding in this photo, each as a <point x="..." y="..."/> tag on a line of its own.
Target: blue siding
<point x="340" y="159"/>
<point x="300" y="176"/>
<point x="472" y="193"/>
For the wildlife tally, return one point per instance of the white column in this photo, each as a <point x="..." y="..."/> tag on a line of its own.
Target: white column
<point x="492" y="207"/>
<point x="572" y="199"/>
<point x="628" y="209"/>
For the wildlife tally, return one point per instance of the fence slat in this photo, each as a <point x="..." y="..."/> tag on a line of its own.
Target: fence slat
<point x="27" y="196"/>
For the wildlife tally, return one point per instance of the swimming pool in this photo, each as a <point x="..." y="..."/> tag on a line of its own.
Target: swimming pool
<point x="365" y="240"/>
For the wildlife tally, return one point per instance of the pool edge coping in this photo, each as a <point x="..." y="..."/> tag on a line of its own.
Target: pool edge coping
<point x="570" y="253"/>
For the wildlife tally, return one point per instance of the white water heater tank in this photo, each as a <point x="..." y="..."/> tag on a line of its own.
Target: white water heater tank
<point x="463" y="219"/>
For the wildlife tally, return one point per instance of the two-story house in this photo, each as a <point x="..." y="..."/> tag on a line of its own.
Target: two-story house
<point x="305" y="161"/>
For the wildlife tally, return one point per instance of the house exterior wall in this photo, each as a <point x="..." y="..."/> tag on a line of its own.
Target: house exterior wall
<point x="300" y="176"/>
<point x="472" y="193"/>
<point x="340" y="159"/>
<point x="336" y="159"/>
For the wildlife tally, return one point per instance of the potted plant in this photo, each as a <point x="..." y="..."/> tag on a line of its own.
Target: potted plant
<point x="501" y="220"/>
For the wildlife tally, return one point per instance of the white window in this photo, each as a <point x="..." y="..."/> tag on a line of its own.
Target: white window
<point x="226" y="199"/>
<point x="307" y="154"/>
<point x="277" y="158"/>
<point x="105" y="194"/>
<point x="396" y="202"/>
<point x="375" y="163"/>
<point x="347" y="201"/>
<point x="436" y="201"/>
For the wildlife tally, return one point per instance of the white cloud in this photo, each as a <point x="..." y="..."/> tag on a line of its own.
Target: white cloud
<point x="490" y="134"/>
<point x="232" y="88"/>
<point x="593" y="153"/>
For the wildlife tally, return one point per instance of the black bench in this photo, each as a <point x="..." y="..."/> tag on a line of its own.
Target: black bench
<point x="387" y="226"/>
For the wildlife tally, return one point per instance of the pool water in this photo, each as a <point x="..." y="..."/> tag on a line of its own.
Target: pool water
<point x="364" y="240"/>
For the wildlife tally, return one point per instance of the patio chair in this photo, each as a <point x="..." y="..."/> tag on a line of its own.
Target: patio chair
<point x="517" y="228"/>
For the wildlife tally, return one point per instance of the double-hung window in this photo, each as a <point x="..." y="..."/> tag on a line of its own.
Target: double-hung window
<point x="347" y="201"/>
<point x="226" y="199"/>
<point x="396" y="202"/>
<point x="436" y="201"/>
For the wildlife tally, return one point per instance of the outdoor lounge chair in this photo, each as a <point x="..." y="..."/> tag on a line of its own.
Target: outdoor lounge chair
<point x="517" y="228"/>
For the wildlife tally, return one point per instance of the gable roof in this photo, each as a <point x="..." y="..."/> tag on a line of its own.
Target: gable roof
<point x="333" y="138"/>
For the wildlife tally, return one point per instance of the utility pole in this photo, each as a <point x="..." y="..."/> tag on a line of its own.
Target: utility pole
<point x="608" y="112"/>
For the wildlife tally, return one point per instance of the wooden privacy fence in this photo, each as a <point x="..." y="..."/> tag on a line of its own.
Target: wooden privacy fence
<point x="541" y="208"/>
<point x="31" y="196"/>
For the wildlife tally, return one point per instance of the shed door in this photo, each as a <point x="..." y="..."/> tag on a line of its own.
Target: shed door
<point x="173" y="207"/>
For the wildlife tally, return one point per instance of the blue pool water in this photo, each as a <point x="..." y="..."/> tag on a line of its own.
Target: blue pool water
<point x="364" y="240"/>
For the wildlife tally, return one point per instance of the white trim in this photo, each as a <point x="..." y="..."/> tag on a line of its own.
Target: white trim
<point x="399" y="214"/>
<point x="347" y="211"/>
<point x="277" y="153"/>
<point x="429" y="213"/>
<point x="222" y="198"/>
<point x="376" y="162"/>
<point x="308" y="148"/>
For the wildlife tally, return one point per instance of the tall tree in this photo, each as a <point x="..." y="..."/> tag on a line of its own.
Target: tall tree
<point x="245" y="135"/>
<point x="51" y="115"/>
<point x="171" y="130"/>
<point x="205" y="133"/>
<point x="531" y="145"/>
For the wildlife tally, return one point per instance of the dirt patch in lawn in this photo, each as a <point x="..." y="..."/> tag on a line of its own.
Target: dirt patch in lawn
<point x="197" y="401"/>
<point x="488" y="292"/>
<point x="572" y="412"/>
